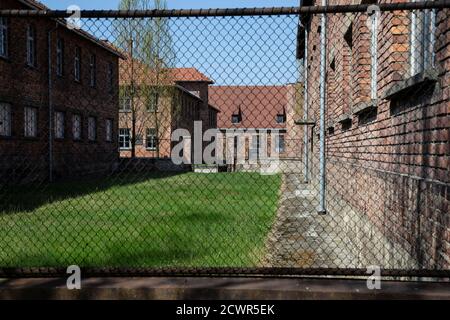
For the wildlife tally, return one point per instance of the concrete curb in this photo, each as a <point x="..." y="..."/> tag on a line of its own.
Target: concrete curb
<point x="218" y="288"/>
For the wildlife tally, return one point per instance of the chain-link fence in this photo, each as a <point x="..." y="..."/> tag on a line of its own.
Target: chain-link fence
<point x="293" y="141"/>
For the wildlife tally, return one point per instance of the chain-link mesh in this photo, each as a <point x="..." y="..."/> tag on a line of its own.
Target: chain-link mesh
<point x="244" y="144"/>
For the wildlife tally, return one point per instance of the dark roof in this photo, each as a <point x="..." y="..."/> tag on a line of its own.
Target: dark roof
<point x="258" y="106"/>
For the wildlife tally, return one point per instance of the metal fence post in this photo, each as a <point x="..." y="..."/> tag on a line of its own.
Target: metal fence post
<point x="323" y="56"/>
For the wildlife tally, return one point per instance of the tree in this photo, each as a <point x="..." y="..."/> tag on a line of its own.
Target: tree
<point x="148" y="46"/>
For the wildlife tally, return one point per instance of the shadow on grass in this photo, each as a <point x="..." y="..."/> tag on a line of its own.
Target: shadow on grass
<point x="27" y="198"/>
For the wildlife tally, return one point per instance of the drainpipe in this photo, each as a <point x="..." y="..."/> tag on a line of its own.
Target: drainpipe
<point x="305" y="110"/>
<point x="50" y="105"/>
<point x="322" y="166"/>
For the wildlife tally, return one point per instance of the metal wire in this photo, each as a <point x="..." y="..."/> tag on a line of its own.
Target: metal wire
<point x="330" y="126"/>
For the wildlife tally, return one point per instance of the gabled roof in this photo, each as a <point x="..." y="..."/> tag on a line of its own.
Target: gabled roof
<point x="189" y="75"/>
<point x="258" y="105"/>
<point x="142" y="74"/>
<point x="36" y="5"/>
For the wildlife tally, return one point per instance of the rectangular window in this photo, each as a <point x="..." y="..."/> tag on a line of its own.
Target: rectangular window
<point x="109" y="129"/>
<point x="151" y="139"/>
<point x="279" y="144"/>
<point x="59" y="125"/>
<point x="125" y="139"/>
<point x="422" y="40"/>
<point x="373" y="54"/>
<point x="254" y="148"/>
<point x="280" y="118"/>
<point x="235" y="118"/>
<point x="92" y="129"/>
<point x="31" y="46"/>
<point x="111" y="77"/>
<point x="76" y="127"/>
<point x="77" y="64"/>
<point x="5" y="119"/>
<point x="60" y="57"/>
<point x="125" y="104"/>
<point x="152" y="103"/>
<point x="93" y="71"/>
<point x="30" y="122"/>
<point x="3" y="37"/>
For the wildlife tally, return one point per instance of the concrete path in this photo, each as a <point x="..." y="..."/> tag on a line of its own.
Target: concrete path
<point x="302" y="238"/>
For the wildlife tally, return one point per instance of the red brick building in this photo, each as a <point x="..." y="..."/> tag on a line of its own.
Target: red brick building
<point x="252" y="111"/>
<point x="57" y="121"/>
<point x="154" y="104"/>
<point x="387" y="116"/>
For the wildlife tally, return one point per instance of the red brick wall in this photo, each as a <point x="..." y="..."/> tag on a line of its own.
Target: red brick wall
<point x="23" y="86"/>
<point x="394" y="169"/>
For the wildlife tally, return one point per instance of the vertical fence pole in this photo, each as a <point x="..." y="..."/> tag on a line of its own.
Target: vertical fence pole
<point x="323" y="48"/>
<point x="305" y="110"/>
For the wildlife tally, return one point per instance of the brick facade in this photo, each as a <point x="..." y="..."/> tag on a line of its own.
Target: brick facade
<point x="30" y="158"/>
<point x="387" y="159"/>
<point x="258" y="109"/>
<point x="181" y="96"/>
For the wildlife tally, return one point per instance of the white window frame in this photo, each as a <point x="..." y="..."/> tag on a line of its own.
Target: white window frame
<point x="422" y="40"/>
<point x="124" y="135"/>
<point x="5" y="119"/>
<point x="77" y="64"/>
<point x="93" y="71"/>
<point x="278" y="139"/>
<point x="109" y="130"/>
<point x="151" y="141"/>
<point x="30" y="122"/>
<point x="31" y="46"/>
<point x="92" y="129"/>
<point x="125" y="104"/>
<point x="4" y="37"/>
<point x="59" y="125"/>
<point x="77" y="127"/>
<point x="254" y="147"/>
<point x="152" y="105"/>
<point x="60" y="57"/>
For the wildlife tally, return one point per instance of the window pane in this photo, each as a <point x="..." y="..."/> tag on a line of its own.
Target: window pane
<point x="3" y="37"/>
<point x="151" y="139"/>
<point x="124" y="138"/>
<point x="5" y="119"/>
<point x="59" y="125"/>
<point x="108" y="130"/>
<point x="30" y="122"/>
<point x="76" y="127"/>
<point x="31" y="46"/>
<point x="92" y="129"/>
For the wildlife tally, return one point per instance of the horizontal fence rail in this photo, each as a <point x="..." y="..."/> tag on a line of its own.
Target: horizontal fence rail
<point x="230" y="12"/>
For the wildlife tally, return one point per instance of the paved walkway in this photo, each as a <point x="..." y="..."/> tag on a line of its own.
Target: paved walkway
<point x="302" y="238"/>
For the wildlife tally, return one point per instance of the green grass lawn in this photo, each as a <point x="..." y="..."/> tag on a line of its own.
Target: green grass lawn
<point x="209" y="220"/>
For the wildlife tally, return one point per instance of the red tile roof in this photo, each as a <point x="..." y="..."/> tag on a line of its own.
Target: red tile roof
<point x="258" y="105"/>
<point x="142" y="74"/>
<point x="189" y="75"/>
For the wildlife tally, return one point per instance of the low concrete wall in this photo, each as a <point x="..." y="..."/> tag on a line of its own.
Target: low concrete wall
<point x="218" y="288"/>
